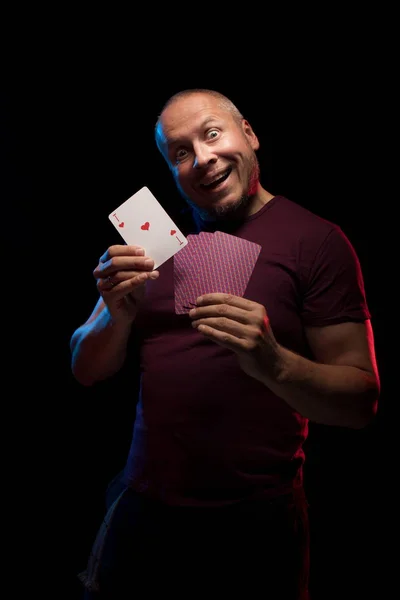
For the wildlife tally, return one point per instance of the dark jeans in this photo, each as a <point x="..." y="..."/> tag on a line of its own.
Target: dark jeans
<point x="257" y="549"/>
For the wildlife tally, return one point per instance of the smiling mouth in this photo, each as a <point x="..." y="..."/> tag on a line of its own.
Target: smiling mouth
<point x="216" y="182"/>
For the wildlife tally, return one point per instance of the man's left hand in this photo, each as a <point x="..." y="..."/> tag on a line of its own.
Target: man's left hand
<point x="242" y="326"/>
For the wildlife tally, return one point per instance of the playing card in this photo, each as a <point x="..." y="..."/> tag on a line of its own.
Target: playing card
<point x="188" y="267"/>
<point x="212" y="262"/>
<point x="231" y="261"/>
<point x="142" y="221"/>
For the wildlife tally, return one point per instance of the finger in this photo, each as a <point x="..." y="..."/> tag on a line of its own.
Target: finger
<point x="224" y="325"/>
<point x="119" y="276"/>
<point x="123" y="263"/>
<point x="121" y="250"/>
<point x="231" y="299"/>
<point x="222" y="311"/>
<point x="106" y="284"/>
<point x="223" y="338"/>
<point x="122" y="288"/>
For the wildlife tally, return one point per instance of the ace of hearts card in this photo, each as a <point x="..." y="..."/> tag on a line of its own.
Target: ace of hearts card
<point x="142" y="221"/>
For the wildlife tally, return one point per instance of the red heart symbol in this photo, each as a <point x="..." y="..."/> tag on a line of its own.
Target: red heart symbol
<point x="121" y="224"/>
<point x="172" y="232"/>
<point x="146" y="226"/>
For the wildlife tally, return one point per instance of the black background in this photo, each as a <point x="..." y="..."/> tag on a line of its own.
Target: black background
<point x="77" y="132"/>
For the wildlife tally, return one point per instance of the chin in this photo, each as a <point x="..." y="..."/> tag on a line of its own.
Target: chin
<point x="220" y="209"/>
<point x="230" y="207"/>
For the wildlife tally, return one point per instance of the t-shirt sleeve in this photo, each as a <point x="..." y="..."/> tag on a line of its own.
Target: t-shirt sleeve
<point x="334" y="288"/>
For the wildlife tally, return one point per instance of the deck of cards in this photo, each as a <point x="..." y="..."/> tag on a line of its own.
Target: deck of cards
<point x="142" y="221"/>
<point x="212" y="263"/>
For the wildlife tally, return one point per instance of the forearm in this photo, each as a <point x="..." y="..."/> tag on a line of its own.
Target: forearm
<point x="99" y="348"/>
<point x="329" y="394"/>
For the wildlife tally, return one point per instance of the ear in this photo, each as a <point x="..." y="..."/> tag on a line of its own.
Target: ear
<point x="250" y="135"/>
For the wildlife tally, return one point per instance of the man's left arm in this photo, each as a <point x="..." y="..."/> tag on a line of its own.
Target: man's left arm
<point x="339" y="387"/>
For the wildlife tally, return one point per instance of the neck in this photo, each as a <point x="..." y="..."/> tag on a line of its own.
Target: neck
<point x="258" y="200"/>
<point x="231" y="220"/>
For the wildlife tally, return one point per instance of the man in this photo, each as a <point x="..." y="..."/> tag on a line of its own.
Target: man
<point x="214" y="498"/>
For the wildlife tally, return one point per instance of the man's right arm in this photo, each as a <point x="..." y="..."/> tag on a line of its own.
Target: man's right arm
<point x="99" y="346"/>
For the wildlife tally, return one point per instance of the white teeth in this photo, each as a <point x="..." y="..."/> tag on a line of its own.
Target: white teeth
<point x="213" y="181"/>
<point x="216" y="179"/>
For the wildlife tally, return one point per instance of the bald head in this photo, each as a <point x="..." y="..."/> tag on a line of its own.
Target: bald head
<point x="223" y="103"/>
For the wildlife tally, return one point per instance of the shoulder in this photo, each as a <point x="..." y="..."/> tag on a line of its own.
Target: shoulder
<point x="301" y="227"/>
<point x="301" y="216"/>
<point x="317" y="243"/>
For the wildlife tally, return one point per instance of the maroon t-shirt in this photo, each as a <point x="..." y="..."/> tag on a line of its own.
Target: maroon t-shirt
<point x="205" y="432"/>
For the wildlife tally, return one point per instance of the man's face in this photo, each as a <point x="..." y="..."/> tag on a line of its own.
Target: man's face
<point x="211" y="154"/>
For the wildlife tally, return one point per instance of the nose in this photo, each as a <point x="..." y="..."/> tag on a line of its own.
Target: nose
<point x="203" y="156"/>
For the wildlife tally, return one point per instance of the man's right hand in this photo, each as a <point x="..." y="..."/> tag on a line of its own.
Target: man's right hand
<point x="121" y="276"/>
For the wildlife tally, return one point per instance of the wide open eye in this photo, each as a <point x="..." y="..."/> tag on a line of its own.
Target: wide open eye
<point x="212" y="134"/>
<point x="180" y="154"/>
